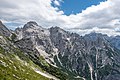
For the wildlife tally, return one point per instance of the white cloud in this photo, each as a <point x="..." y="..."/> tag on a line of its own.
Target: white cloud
<point x="104" y="17"/>
<point x="56" y="2"/>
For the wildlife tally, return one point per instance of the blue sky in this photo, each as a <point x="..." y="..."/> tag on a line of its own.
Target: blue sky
<point x="76" y="6"/>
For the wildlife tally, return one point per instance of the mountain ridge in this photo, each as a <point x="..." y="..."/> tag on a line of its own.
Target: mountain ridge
<point x="90" y="57"/>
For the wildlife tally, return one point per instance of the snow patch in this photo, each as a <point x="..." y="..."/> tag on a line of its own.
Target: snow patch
<point x="56" y="51"/>
<point x="45" y="55"/>
<point x="91" y="70"/>
<point x="80" y="77"/>
<point x="68" y="39"/>
<point x="45" y="74"/>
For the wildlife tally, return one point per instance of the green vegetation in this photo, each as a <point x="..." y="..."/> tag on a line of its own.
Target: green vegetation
<point x="49" y="68"/>
<point x="13" y="68"/>
<point x="24" y="72"/>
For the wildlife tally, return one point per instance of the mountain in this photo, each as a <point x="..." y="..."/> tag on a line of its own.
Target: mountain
<point x="115" y="41"/>
<point x="65" y="55"/>
<point x="3" y="30"/>
<point x="16" y="64"/>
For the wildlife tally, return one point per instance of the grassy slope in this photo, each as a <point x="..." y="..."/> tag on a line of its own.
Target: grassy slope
<point x="13" y="68"/>
<point x="12" y="65"/>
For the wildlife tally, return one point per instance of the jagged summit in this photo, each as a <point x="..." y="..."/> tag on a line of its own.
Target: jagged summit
<point x="4" y="30"/>
<point x="32" y="23"/>
<point x="58" y="30"/>
<point x="94" y="36"/>
<point x="91" y="57"/>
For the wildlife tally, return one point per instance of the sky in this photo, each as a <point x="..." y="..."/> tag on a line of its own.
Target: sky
<point x="75" y="6"/>
<point x="81" y="16"/>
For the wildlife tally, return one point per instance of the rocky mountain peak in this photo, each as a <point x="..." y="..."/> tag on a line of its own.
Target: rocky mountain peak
<point x="94" y="35"/>
<point x="32" y="29"/>
<point x="57" y="30"/>
<point x="32" y="23"/>
<point x="86" y="56"/>
<point x="4" y="30"/>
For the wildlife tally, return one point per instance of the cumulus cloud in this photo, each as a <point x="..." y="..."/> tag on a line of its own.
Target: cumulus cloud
<point x="26" y="10"/>
<point x="104" y="18"/>
<point x="57" y="2"/>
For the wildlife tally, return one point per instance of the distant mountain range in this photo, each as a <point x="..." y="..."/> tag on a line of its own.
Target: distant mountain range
<point x="37" y="53"/>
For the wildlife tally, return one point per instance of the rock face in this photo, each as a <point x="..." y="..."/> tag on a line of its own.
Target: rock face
<point x="14" y="63"/>
<point x="35" y="39"/>
<point x="91" y="57"/>
<point x="115" y="41"/>
<point x="3" y="30"/>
